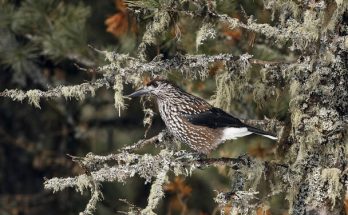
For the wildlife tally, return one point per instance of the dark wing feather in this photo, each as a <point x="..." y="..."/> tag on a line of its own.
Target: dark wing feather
<point x="214" y="118"/>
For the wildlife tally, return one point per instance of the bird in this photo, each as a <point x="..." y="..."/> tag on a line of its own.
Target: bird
<point x="194" y="121"/>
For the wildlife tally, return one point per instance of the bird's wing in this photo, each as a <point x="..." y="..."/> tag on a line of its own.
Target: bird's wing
<point x="214" y="118"/>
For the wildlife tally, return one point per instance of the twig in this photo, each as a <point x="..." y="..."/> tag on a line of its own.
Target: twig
<point x="266" y="62"/>
<point x="96" y="194"/>
<point x="132" y="207"/>
<point x="81" y="68"/>
<point x="234" y="163"/>
<point x="95" y="49"/>
<point x="143" y="142"/>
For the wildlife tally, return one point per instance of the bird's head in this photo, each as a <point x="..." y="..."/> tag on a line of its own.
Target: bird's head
<point x="158" y="87"/>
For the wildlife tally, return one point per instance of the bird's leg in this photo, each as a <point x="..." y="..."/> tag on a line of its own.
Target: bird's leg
<point x="243" y="159"/>
<point x="202" y="156"/>
<point x="198" y="156"/>
<point x="168" y="141"/>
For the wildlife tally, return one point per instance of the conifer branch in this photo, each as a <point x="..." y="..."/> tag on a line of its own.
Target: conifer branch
<point x="184" y="63"/>
<point x="75" y="91"/>
<point x="119" y="167"/>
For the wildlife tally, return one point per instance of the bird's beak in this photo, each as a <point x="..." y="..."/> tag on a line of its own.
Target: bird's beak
<point x="140" y="93"/>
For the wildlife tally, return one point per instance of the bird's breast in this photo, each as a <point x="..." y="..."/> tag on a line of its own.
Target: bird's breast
<point x="200" y="138"/>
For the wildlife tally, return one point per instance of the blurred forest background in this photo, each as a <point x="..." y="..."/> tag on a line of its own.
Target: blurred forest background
<point x="41" y="41"/>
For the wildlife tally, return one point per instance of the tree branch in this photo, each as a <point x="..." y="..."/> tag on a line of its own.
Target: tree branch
<point x="75" y="91"/>
<point x="185" y="63"/>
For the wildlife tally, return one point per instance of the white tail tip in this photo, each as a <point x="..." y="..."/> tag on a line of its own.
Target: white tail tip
<point x="270" y="137"/>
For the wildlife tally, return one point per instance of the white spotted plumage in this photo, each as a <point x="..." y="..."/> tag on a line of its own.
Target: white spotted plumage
<point x="194" y="121"/>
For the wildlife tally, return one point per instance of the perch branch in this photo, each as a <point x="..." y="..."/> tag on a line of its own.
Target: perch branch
<point x="126" y="165"/>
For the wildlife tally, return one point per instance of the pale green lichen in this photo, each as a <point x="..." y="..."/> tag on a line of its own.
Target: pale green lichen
<point x="231" y="22"/>
<point x="242" y="197"/>
<point x="232" y="82"/>
<point x="262" y="92"/>
<point x="33" y="97"/>
<point x="161" y="21"/>
<point x="341" y="8"/>
<point x="316" y="195"/>
<point x="76" y="92"/>
<point x="300" y="33"/>
<point x="254" y="177"/>
<point x="206" y="31"/>
<point x="56" y="184"/>
<point x="332" y="177"/>
<point x="310" y="26"/>
<point x="291" y="194"/>
<point x="225" y="91"/>
<point x="288" y="8"/>
<point x="82" y="183"/>
<point x="114" y="57"/>
<point x="148" y="118"/>
<point x="156" y="192"/>
<point x="16" y="95"/>
<point x="96" y="197"/>
<point x="118" y="94"/>
<point x="324" y="184"/>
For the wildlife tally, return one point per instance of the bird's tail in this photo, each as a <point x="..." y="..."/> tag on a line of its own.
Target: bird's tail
<point x="262" y="133"/>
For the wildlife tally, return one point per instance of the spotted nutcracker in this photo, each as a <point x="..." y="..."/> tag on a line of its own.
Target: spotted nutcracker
<point x="194" y="121"/>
